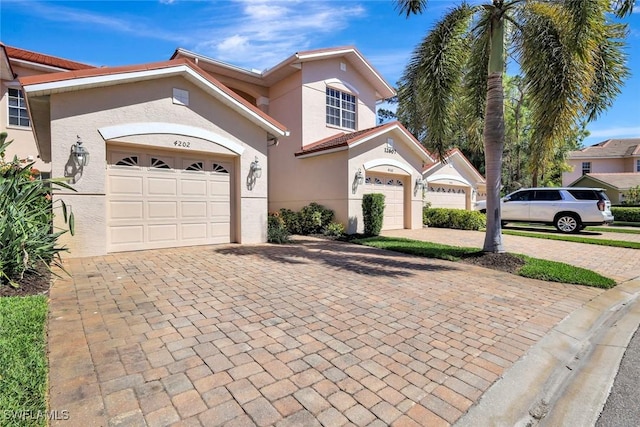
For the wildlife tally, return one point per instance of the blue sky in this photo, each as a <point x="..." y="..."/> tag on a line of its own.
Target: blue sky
<point x="256" y="34"/>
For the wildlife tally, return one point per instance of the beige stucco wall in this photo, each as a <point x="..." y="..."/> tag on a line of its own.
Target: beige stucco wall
<point x="316" y="76"/>
<point x="84" y="112"/>
<point x="24" y="144"/>
<point x="597" y="166"/>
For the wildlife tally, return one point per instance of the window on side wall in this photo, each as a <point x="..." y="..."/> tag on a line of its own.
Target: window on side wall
<point x="638" y="165"/>
<point x="341" y="109"/>
<point x="18" y="115"/>
<point x="586" y="168"/>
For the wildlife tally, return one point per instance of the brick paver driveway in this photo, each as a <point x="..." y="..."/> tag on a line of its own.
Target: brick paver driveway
<point x="313" y="333"/>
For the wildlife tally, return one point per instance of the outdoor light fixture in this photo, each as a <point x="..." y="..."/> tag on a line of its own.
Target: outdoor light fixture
<point x="419" y="183"/>
<point x="359" y="177"/>
<point x="255" y="169"/>
<point x="79" y="153"/>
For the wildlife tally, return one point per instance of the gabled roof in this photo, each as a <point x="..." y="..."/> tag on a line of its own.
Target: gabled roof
<point x="53" y="62"/>
<point x="609" y="148"/>
<point x="344" y="141"/>
<point x="292" y="65"/>
<point x="458" y="156"/>
<point x="38" y="88"/>
<point x="621" y="181"/>
<point x="6" y="72"/>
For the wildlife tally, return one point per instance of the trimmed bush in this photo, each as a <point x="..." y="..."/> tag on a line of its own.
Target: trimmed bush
<point x="372" y="213"/>
<point x="291" y="220"/>
<point x="453" y="218"/>
<point x="276" y="229"/>
<point x="626" y="214"/>
<point x="314" y="218"/>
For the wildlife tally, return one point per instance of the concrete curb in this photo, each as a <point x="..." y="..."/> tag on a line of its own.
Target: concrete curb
<point x="569" y="373"/>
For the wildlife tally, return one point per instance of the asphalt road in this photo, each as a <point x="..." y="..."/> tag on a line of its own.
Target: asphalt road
<point x="622" y="408"/>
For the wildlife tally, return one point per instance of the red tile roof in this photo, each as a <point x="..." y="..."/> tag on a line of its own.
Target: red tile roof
<point x="344" y="139"/>
<point x="108" y="71"/>
<point x="609" y="148"/>
<point x="40" y="58"/>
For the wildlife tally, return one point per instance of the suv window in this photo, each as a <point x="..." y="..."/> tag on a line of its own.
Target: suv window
<point x="520" y="196"/>
<point x="588" y="195"/>
<point x="547" y="195"/>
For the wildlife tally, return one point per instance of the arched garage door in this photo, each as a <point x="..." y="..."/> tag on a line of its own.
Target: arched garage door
<point x="166" y="199"/>
<point x="393" y="188"/>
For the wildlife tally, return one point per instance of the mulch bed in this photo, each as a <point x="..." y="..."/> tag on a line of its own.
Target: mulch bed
<point x="33" y="283"/>
<point x="503" y="261"/>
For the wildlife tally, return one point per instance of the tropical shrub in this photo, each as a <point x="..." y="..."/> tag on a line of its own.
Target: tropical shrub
<point x="334" y="229"/>
<point x="625" y="214"/>
<point x="313" y="218"/>
<point x="276" y="229"/>
<point x="372" y="213"/>
<point x="291" y="221"/>
<point x="453" y="218"/>
<point x="27" y="238"/>
<point x="632" y="197"/>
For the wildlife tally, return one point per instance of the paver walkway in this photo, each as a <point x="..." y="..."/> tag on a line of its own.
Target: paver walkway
<point x="313" y="333"/>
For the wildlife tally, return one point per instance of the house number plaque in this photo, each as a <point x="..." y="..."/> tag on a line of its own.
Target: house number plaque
<point x="183" y="144"/>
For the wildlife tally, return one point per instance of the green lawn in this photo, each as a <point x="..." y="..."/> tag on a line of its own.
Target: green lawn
<point x="533" y="268"/>
<point x="574" y="238"/>
<point x="23" y="361"/>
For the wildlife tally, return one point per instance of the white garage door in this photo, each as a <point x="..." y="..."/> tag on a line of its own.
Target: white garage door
<point x="158" y="200"/>
<point x="393" y="189"/>
<point x="446" y="196"/>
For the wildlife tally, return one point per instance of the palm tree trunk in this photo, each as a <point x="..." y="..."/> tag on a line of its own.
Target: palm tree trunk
<point x="493" y="147"/>
<point x="493" y="135"/>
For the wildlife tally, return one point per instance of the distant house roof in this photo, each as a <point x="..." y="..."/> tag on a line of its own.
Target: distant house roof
<point x="42" y="59"/>
<point x="343" y="140"/>
<point x="609" y="148"/>
<point x="621" y="181"/>
<point x="293" y="64"/>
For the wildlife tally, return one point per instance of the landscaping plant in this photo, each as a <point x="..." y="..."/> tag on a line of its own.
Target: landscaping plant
<point x="372" y="213"/>
<point x="453" y="218"/>
<point x="277" y="229"/>
<point x="27" y="238"/>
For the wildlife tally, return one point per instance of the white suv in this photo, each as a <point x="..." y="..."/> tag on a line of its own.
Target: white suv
<point x="568" y="209"/>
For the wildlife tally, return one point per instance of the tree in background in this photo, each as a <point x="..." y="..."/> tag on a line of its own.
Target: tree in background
<point x="570" y="55"/>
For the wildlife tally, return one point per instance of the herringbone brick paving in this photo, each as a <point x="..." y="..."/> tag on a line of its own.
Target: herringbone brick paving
<point x="312" y="333"/>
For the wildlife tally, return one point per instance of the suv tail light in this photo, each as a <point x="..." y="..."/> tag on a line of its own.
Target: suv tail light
<point x="601" y="205"/>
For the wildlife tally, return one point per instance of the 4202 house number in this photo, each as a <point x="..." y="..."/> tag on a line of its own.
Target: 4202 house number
<point x="183" y="144"/>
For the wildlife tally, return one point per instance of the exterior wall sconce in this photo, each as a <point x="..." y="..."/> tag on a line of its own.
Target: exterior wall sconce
<point x="80" y="154"/>
<point x="359" y="177"/>
<point x="255" y="169"/>
<point x="419" y="183"/>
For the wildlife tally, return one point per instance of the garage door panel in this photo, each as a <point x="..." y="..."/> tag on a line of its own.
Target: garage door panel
<point x="193" y="187"/>
<point x="196" y="231"/>
<point x="163" y="209"/>
<point x="152" y="205"/>
<point x="162" y="232"/>
<point x="394" y="200"/>
<point x="126" y="234"/>
<point x="125" y="185"/>
<point x="132" y="210"/>
<point x="194" y="209"/>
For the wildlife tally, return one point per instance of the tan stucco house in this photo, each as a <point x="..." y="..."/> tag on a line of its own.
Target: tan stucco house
<point x="613" y="165"/>
<point x="195" y="151"/>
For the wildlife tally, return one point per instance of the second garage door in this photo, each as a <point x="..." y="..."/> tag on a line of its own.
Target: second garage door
<point x="393" y="189"/>
<point x="162" y="199"/>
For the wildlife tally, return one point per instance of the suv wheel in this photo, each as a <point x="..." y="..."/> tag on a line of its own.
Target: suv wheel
<point x="568" y="223"/>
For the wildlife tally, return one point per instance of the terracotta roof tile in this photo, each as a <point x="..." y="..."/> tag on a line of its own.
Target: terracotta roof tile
<point x="622" y="180"/>
<point x="609" y="148"/>
<point x="40" y="58"/>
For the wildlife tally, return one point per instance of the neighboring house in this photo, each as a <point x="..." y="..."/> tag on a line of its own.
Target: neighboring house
<point x="454" y="183"/>
<point x="613" y="164"/>
<point x="14" y="119"/>
<point x="196" y="151"/>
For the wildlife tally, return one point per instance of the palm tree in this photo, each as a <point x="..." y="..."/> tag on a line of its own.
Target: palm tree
<point x="569" y="52"/>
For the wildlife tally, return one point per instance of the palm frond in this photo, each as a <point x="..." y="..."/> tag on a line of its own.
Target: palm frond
<point x="410" y="7"/>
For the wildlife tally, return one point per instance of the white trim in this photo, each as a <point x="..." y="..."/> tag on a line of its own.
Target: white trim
<point x="437" y="178"/>
<point x="319" y="153"/>
<point x="391" y="162"/>
<point x="123" y="77"/>
<point x="35" y="65"/>
<point x="417" y="148"/>
<point x="130" y="129"/>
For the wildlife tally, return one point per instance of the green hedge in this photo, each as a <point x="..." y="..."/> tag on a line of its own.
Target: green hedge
<point x="453" y="218"/>
<point x="626" y="214"/>
<point x="372" y="213"/>
<point x="311" y="219"/>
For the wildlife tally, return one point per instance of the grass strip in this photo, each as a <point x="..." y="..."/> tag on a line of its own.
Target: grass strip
<point x="575" y="239"/>
<point x="534" y="268"/>
<point x="613" y="229"/>
<point x="23" y="361"/>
